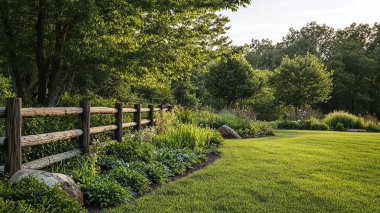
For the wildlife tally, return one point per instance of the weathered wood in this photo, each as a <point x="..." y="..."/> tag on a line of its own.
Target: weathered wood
<point x="144" y="121"/>
<point x="157" y="109"/>
<point x="85" y="120"/>
<point x="32" y="140"/>
<point x="103" y="110"/>
<point x="145" y="110"/>
<point x="165" y="109"/>
<point x="130" y="124"/>
<point x="50" y="111"/>
<point x="47" y="161"/>
<point x="2" y="141"/>
<point x="119" y="122"/>
<point x="99" y="129"/>
<point x="2" y="112"/>
<point x="1" y="169"/>
<point x="151" y="115"/>
<point x="137" y="117"/>
<point x="13" y="133"/>
<point x="127" y="110"/>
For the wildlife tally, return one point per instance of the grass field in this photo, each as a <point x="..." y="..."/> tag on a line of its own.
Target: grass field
<point x="296" y="171"/>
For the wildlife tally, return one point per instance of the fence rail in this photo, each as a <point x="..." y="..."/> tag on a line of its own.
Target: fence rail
<point x="13" y="142"/>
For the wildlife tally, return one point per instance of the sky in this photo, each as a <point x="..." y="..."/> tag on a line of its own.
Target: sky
<point x="273" y="18"/>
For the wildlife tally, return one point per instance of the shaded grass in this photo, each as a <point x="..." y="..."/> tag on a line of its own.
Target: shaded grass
<point x="297" y="171"/>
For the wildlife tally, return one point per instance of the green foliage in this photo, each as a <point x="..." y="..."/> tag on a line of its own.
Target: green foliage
<point x="104" y="192"/>
<point x="133" y="180"/>
<point x="310" y="124"/>
<point x="302" y="81"/>
<point x="319" y="126"/>
<point x="131" y="150"/>
<point x="178" y="160"/>
<point x="231" y="80"/>
<point x="188" y="136"/>
<point x="5" y="88"/>
<point x="33" y="196"/>
<point x="154" y="171"/>
<point x="372" y="126"/>
<point x="17" y="207"/>
<point x="339" y="127"/>
<point x="346" y="119"/>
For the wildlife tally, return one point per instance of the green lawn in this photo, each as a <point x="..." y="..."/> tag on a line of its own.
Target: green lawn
<point x="296" y="171"/>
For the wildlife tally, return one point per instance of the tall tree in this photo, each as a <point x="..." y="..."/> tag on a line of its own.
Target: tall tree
<point x="302" y="81"/>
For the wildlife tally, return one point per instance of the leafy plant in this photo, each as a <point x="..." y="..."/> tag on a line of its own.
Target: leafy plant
<point x="132" y="179"/>
<point x="154" y="171"/>
<point x="131" y="150"/>
<point x="346" y="119"/>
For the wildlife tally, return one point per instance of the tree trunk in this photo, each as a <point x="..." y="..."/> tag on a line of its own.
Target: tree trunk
<point x="12" y="57"/>
<point x="42" y="65"/>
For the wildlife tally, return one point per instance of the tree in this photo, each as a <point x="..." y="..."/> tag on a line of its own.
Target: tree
<point x="302" y="81"/>
<point x="48" y="45"/>
<point x="231" y="80"/>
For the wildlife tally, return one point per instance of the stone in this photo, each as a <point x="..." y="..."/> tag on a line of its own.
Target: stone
<point x="51" y="179"/>
<point x="228" y="132"/>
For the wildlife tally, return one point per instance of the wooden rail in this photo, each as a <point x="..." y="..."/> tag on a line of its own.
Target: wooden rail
<point x="13" y="142"/>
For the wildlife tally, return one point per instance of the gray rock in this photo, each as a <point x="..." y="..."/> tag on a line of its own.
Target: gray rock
<point x="228" y="132"/>
<point x="51" y="179"/>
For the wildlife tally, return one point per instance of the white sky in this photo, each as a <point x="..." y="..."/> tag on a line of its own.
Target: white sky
<point x="273" y="18"/>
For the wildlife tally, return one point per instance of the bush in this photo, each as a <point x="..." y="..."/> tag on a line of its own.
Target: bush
<point x="319" y="126"/>
<point x="17" y="207"/>
<point x="178" y="160"/>
<point x="288" y="124"/>
<point x="104" y="192"/>
<point x="134" y="180"/>
<point x="131" y="150"/>
<point x="188" y="136"/>
<point x="346" y="119"/>
<point x="339" y="127"/>
<point x="154" y="171"/>
<point x="372" y="126"/>
<point x="29" y="192"/>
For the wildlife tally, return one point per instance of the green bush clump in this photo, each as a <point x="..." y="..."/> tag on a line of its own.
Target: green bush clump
<point x="346" y="119"/>
<point x="104" y="192"/>
<point x="188" y="136"/>
<point x="109" y="162"/>
<point x="131" y="150"/>
<point x="286" y="124"/>
<point x="319" y="126"/>
<point x="30" y="193"/>
<point x="178" y="160"/>
<point x="372" y="126"/>
<point x="132" y="179"/>
<point x="155" y="171"/>
<point x="339" y="127"/>
<point x="17" y="207"/>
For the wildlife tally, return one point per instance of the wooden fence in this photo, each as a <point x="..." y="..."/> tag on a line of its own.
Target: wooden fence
<point x="13" y="141"/>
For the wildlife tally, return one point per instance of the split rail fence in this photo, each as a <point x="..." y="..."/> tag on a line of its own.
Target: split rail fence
<point x="14" y="141"/>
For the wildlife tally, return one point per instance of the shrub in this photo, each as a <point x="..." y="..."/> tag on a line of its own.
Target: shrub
<point x="346" y="119"/>
<point x="29" y="192"/>
<point x="339" y="127"/>
<point x="285" y="124"/>
<point x="178" y="160"/>
<point x="154" y="171"/>
<point x="134" y="180"/>
<point x="104" y="192"/>
<point x="17" y="207"/>
<point x="372" y="126"/>
<point x="319" y="126"/>
<point x="188" y="136"/>
<point x="131" y="150"/>
<point x="109" y="162"/>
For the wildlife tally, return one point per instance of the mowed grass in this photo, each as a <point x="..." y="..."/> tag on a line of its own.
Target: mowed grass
<point x="296" y="171"/>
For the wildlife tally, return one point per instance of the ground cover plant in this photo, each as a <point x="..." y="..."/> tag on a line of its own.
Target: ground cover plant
<point x="302" y="171"/>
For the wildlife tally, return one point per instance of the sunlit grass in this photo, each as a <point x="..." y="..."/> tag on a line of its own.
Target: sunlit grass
<point x="296" y="171"/>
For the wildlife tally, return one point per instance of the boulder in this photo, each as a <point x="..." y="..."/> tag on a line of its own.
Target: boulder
<point x="51" y="179"/>
<point x="228" y="132"/>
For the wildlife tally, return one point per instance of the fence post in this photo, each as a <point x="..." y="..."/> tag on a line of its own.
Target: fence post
<point x="137" y="117"/>
<point x="151" y="114"/>
<point x="119" y="122"/>
<point x="13" y="134"/>
<point x="85" y="126"/>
